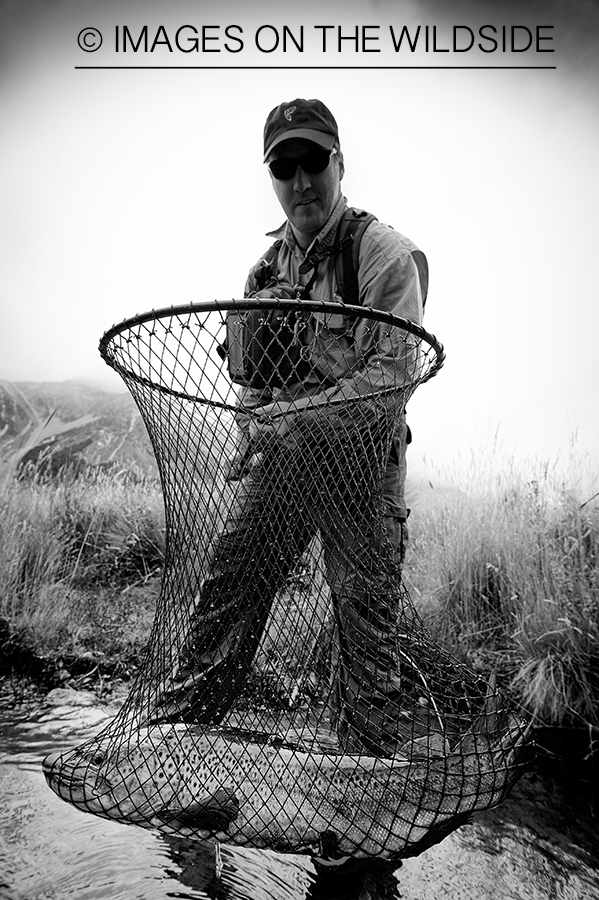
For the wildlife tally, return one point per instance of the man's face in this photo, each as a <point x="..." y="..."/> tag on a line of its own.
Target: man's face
<point x="307" y="199"/>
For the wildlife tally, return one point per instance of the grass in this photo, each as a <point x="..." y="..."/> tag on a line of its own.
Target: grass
<point x="504" y="568"/>
<point x="79" y="563"/>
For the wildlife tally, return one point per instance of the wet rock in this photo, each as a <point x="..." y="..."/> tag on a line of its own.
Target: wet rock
<point x="71" y="697"/>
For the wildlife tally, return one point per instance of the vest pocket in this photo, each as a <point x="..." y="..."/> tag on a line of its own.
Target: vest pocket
<point x="336" y="323"/>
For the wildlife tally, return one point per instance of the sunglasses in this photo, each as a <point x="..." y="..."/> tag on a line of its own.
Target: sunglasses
<point x="312" y="163"/>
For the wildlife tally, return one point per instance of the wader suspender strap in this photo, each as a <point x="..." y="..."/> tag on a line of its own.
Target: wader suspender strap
<point x="351" y="228"/>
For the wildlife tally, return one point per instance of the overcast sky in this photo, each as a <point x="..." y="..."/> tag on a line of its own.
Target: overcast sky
<point x="127" y="190"/>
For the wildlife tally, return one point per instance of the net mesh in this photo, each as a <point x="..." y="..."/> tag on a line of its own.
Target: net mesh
<point x="290" y="696"/>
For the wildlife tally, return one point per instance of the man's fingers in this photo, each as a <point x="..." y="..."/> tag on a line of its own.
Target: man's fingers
<point x="239" y="465"/>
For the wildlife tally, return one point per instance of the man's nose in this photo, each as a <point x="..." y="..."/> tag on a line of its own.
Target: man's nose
<point x="302" y="180"/>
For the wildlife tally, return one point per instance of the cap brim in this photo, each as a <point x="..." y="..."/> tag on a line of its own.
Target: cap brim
<point x="308" y="134"/>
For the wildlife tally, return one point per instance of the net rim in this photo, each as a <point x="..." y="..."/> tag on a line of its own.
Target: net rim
<point x="266" y="303"/>
<point x="276" y="303"/>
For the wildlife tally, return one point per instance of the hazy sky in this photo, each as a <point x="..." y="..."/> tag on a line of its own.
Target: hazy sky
<point x="127" y="190"/>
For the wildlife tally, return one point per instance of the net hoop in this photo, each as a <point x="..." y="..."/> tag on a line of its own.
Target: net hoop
<point x="313" y="306"/>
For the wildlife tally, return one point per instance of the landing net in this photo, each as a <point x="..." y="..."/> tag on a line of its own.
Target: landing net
<point x="290" y="696"/>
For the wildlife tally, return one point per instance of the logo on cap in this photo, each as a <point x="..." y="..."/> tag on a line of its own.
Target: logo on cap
<point x="289" y="112"/>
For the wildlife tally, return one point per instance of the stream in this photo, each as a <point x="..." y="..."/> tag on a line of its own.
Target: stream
<point x="541" y="843"/>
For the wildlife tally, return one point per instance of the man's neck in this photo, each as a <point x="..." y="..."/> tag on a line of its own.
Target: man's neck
<point x="302" y="239"/>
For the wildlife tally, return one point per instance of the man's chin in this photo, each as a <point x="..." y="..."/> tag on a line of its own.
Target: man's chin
<point x="308" y="224"/>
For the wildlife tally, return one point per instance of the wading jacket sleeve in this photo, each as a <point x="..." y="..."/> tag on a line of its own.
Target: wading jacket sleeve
<point x="369" y="358"/>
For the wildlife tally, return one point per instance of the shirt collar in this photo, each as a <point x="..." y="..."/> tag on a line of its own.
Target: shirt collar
<point x="325" y="236"/>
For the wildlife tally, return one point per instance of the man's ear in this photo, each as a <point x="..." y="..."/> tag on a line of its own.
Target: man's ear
<point x="341" y="164"/>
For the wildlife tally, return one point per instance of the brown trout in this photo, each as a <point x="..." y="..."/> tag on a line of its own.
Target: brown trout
<point x="210" y="784"/>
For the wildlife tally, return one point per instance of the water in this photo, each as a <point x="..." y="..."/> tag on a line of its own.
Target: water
<point x="542" y="843"/>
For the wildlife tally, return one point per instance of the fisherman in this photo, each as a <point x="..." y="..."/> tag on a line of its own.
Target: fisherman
<point x="297" y="438"/>
<point x="392" y="272"/>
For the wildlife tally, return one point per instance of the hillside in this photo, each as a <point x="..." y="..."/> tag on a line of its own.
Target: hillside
<point x="77" y="424"/>
<point x="73" y="423"/>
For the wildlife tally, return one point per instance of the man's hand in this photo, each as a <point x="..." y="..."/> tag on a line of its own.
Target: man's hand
<point x="261" y="431"/>
<point x="272" y="421"/>
<point x="240" y="464"/>
<point x="242" y="460"/>
<point x="281" y="289"/>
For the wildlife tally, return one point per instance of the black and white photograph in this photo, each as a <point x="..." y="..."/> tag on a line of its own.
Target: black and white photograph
<point x="299" y="450"/>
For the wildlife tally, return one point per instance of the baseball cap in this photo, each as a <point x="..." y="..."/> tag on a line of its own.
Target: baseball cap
<point x="308" y="119"/>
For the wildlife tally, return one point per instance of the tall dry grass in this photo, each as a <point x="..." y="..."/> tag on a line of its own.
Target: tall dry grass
<point x="71" y="549"/>
<point x="505" y="569"/>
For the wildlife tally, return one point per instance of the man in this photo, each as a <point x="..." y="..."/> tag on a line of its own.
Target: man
<point x="393" y="273"/>
<point x="323" y="454"/>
